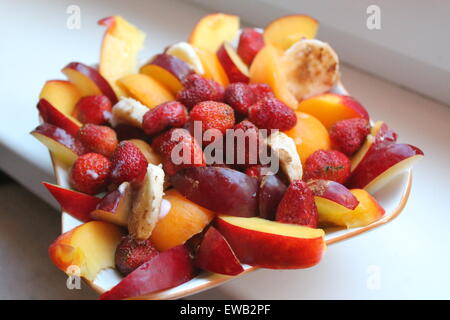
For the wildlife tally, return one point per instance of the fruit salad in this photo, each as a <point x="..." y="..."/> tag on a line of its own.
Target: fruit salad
<point x="233" y="148"/>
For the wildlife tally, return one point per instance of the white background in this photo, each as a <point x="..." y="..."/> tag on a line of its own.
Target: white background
<point x="411" y="252"/>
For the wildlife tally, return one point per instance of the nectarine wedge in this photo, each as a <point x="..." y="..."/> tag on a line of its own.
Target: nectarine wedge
<point x="235" y="68"/>
<point x="53" y="115"/>
<point x="61" y="94"/>
<point x="213" y="68"/>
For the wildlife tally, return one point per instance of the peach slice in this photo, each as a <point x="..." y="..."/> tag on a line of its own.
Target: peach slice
<point x="274" y="245"/>
<point x="212" y="66"/>
<point x="367" y="211"/>
<point x="216" y="255"/>
<point x="184" y="219"/>
<point x="309" y="135"/>
<point x="120" y="48"/>
<point x="212" y="30"/>
<point x="115" y="206"/>
<point x="88" y="81"/>
<point x="235" y="68"/>
<point x="287" y="30"/>
<point x="62" y="145"/>
<point x="266" y="68"/>
<point x="331" y="107"/>
<point x="332" y="191"/>
<point x="145" y="89"/>
<point x="52" y="115"/>
<point x="77" y="204"/>
<point x="381" y="164"/>
<point x="62" y="94"/>
<point x="168" y="70"/>
<point x="91" y="247"/>
<point x="150" y="155"/>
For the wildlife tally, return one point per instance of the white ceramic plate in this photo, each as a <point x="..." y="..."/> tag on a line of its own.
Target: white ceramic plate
<point x="392" y="198"/>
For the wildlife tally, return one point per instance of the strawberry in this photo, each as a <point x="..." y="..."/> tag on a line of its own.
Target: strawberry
<point x="128" y="164"/>
<point x="329" y="165"/>
<point x="246" y="144"/>
<point x="271" y="113"/>
<point x="99" y="139"/>
<point x="132" y="253"/>
<point x="212" y="115"/>
<point x="348" y="135"/>
<point x="90" y="172"/>
<point x="198" y="89"/>
<point x="187" y="154"/>
<point x="250" y="42"/>
<point x="166" y="115"/>
<point x="298" y="206"/>
<point x="261" y="90"/>
<point x="128" y="132"/>
<point x="240" y="96"/>
<point x="254" y="170"/>
<point x="93" y="109"/>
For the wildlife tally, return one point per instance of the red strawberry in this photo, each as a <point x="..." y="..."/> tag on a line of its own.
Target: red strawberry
<point x="187" y="154"/>
<point x="254" y="171"/>
<point x="261" y="90"/>
<point x="329" y="165"/>
<point x="93" y="109"/>
<point x="131" y="253"/>
<point x="90" y="172"/>
<point x="298" y="206"/>
<point x="166" y="115"/>
<point x="99" y="139"/>
<point x="212" y="115"/>
<point x="270" y="113"/>
<point x="198" y="89"/>
<point x="240" y="96"/>
<point x="246" y="143"/>
<point x="250" y="42"/>
<point x="128" y="164"/>
<point x="348" y="135"/>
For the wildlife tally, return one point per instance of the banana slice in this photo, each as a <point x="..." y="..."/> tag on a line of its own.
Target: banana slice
<point x="311" y="67"/>
<point x="147" y="203"/>
<point x="128" y="111"/>
<point x="186" y="52"/>
<point x="284" y="147"/>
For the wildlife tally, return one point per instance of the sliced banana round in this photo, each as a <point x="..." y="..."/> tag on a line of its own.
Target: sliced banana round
<point x="186" y="52"/>
<point x="311" y="67"/>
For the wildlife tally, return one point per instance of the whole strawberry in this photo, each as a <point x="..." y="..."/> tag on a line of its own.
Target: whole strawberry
<point x="128" y="164"/>
<point x="198" y="89"/>
<point x="99" y="139"/>
<point x="93" y="109"/>
<point x="261" y="90"/>
<point x="298" y="206"/>
<point x="132" y="253"/>
<point x="348" y="135"/>
<point x="187" y="153"/>
<point x="166" y="115"/>
<point x="212" y="115"/>
<point x="250" y="42"/>
<point x="329" y="165"/>
<point x="246" y="144"/>
<point x="271" y="113"/>
<point x="240" y="96"/>
<point x="90" y="172"/>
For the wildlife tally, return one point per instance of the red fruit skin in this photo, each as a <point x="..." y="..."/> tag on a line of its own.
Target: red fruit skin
<point x="271" y="113"/>
<point x="240" y="97"/>
<point x="166" y="270"/>
<point x="261" y="90"/>
<point x="347" y="136"/>
<point x="62" y="136"/>
<point x="212" y="115"/>
<point x="132" y="253"/>
<point x="253" y="171"/>
<point x="128" y="164"/>
<point x="93" y="109"/>
<point x="333" y="191"/>
<point x="231" y="69"/>
<point x="55" y="117"/>
<point x="271" y="191"/>
<point x="166" y="115"/>
<point x="98" y="139"/>
<point x="77" y="204"/>
<point x="328" y="165"/>
<point x="385" y="136"/>
<point x="251" y="144"/>
<point x="198" y="89"/>
<point x="215" y="255"/>
<point x="298" y="206"/>
<point x="166" y="142"/>
<point x="90" y="172"/>
<point x="250" y="42"/>
<point x="128" y="132"/>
